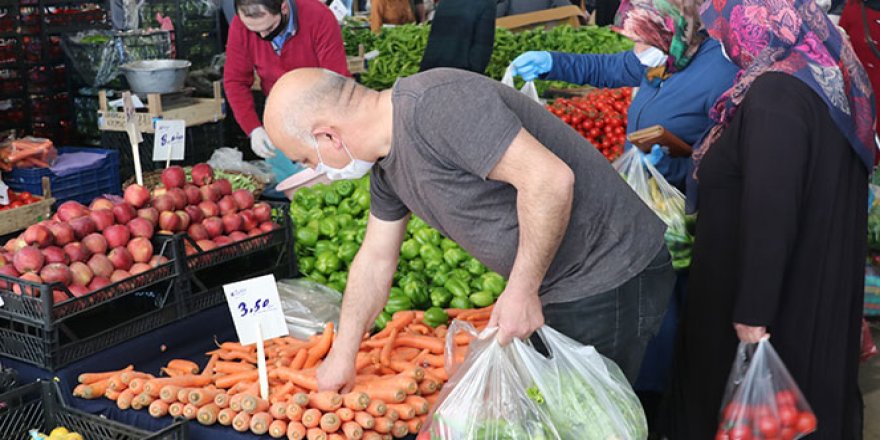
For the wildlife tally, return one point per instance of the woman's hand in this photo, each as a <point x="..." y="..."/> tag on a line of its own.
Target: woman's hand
<point x="749" y="334"/>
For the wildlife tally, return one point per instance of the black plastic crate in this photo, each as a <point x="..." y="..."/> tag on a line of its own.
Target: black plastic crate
<point x="39" y="406"/>
<point x="34" y="303"/>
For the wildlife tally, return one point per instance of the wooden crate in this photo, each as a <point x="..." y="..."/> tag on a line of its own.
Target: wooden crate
<point x="195" y="111"/>
<point x="548" y="18"/>
<point x="20" y="218"/>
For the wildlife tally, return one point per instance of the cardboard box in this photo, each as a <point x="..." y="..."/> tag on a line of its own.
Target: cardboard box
<point x="548" y="18"/>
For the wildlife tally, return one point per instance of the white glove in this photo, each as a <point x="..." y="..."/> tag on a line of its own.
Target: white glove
<point x="261" y="144"/>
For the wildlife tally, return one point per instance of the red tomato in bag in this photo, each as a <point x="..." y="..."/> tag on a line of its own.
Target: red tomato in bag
<point x="786" y="398"/>
<point x="740" y="432"/>
<point x="787" y="415"/>
<point x="806" y="423"/>
<point x="768" y="426"/>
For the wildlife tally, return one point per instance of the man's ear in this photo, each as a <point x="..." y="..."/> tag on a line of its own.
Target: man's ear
<point x="330" y="133"/>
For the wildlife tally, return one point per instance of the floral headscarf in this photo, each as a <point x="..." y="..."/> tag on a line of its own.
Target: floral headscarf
<point x="672" y="26"/>
<point x="797" y="38"/>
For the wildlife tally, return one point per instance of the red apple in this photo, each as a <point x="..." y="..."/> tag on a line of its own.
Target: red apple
<point x="210" y="193"/>
<point x="248" y="220"/>
<point x="255" y="232"/>
<point x="77" y="290"/>
<point x="117" y="235"/>
<point x="98" y="283"/>
<point x="140" y="227"/>
<point x="141" y="249"/>
<point x="121" y="258"/>
<point x="222" y="240"/>
<point x="202" y="174"/>
<point x="56" y="273"/>
<point x="62" y="232"/>
<point x="231" y="222"/>
<point x="159" y="191"/>
<point x="209" y="209"/>
<point x="197" y="231"/>
<point x="137" y="268"/>
<point x="213" y="225"/>
<point x="29" y="259"/>
<point x="237" y="236"/>
<point x="15" y="245"/>
<point x="178" y="197"/>
<point x="193" y="195"/>
<point x="243" y="198"/>
<point x="263" y="212"/>
<point x="150" y="214"/>
<point x="169" y="221"/>
<point x="136" y="196"/>
<point x="206" y="245"/>
<point x="163" y="203"/>
<point x="224" y="186"/>
<point x="81" y="273"/>
<point x="119" y="275"/>
<point x="96" y="243"/>
<point x="8" y="271"/>
<point x="54" y="254"/>
<point x="173" y="177"/>
<point x="103" y="218"/>
<point x="158" y="260"/>
<point x="59" y="296"/>
<point x="195" y="214"/>
<point x="76" y="251"/>
<point x="38" y="235"/>
<point x="30" y="276"/>
<point x="185" y="220"/>
<point x="268" y="226"/>
<point x="227" y="204"/>
<point x="124" y="213"/>
<point x="101" y="203"/>
<point x="101" y="266"/>
<point x="83" y="226"/>
<point x="70" y="210"/>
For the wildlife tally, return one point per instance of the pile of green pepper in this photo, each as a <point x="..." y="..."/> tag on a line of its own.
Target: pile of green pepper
<point x="433" y="272"/>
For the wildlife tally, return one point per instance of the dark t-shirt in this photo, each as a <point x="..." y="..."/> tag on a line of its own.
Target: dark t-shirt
<point x="451" y="128"/>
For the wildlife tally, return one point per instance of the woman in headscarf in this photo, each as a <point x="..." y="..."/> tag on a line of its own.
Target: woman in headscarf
<point x="780" y="241"/>
<point x="679" y="71"/>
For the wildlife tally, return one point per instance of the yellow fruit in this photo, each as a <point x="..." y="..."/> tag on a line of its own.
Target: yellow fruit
<point x="73" y="436"/>
<point x="59" y="431"/>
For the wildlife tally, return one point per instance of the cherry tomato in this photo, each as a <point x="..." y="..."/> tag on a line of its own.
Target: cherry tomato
<point x="768" y="426"/>
<point x="722" y="435"/>
<point x="787" y="415"/>
<point x="786" y="397"/>
<point x="806" y="423"/>
<point x="740" y="432"/>
<point x="788" y="434"/>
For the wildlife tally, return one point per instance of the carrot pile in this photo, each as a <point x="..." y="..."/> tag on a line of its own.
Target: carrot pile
<point x="26" y="153"/>
<point x="400" y="371"/>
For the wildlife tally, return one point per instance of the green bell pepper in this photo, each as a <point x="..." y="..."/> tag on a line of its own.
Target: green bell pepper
<point x="440" y="297"/>
<point x="416" y="265"/>
<point x="362" y="199"/>
<point x="306" y="236"/>
<point x="474" y="267"/>
<point x="327" y="263"/>
<point x="457" y="287"/>
<point x="348" y="234"/>
<point x="328" y="228"/>
<point x="331" y="198"/>
<point x="430" y="253"/>
<point x="329" y="211"/>
<point x="482" y="298"/>
<point x="427" y="236"/>
<point x="461" y="302"/>
<point x="440" y="277"/>
<point x="306" y="265"/>
<point x="316" y="214"/>
<point x="344" y="220"/>
<point x="396" y="291"/>
<point x="344" y="187"/>
<point x="398" y="303"/>
<point x="323" y="246"/>
<point x="337" y="286"/>
<point x="347" y="251"/>
<point x="461" y="274"/>
<point x="340" y="278"/>
<point x="348" y="206"/>
<point x="317" y="277"/>
<point x="417" y="293"/>
<point x="454" y="257"/>
<point x="447" y="244"/>
<point x="436" y="316"/>
<point x="415" y="224"/>
<point x="382" y="320"/>
<point x="409" y="250"/>
<point x="493" y="282"/>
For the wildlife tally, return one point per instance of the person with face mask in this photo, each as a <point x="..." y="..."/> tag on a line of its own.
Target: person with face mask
<point x="273" y="37"/>
<point x="498" y="174"/>
<point x="680" y="73"/>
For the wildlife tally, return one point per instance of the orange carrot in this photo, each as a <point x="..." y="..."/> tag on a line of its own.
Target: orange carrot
<point x="183" y="365"/>
<point x="158" y="409"/>
<point x="405" y="354"/>
<point x="95" y="390"/>
<point x="281" y="393"/>
<point x="202" y="396"/>
<point x="372" y="435"/>
<point x="319" y="350"/>
<point x="356" y="401"/>
<point x="400" y="320"/>
<point x="400" y="429"/>
<point x="190" y="411"/>
<point x="345" y="414"/>
<point x="365" y="420"/>
<point x="414" y="426"/>
<point x="224" y="367"/>
<point x="142" y="400"/>
<point x="278" y="410"/>
<point x="436" y="345"/>
<point x="278" y="429"/>
<point x="392" y="414"/>
<point x="383" y="425"/>
<point x="301" y="399"/>
<point x="382" y="391"/>
<point x="300" y="359"/>
<point x="407" y="384"/>
<point x="137" y="385"/>
<point x="241" y="422"/>
<point x="171" y="372"/>
<point x="175" y="409"/>
<point x="229" y="380"/>
<point x="441" y="331"/>
<point x="252" y="404"/>
<point x="89" y="378"/>
<point x="330" y="422"/>
<point x="112" y="394"/>
<point x="294" y="412"/>
<point x="421" y="329"/>
<point x="153" y="386"/>
<point x="408" y="370"/>
<point x="385" y="355"/>
<point x="431" y="398"/>
<point x="296" y="431"/>
<point x="168" y="393"/>
<point x="222" y="400"/>
<point x="406" y="412"/>
<point x="260" y="423"/>
<point x="115" y="383"/>
<point x="183" y="395"/>
<point x="311" y="418"/>
<point x="439" y="373"/>
<point x="325" y="401"/>
<point x="208" y="414"/>
<point x="428" y="386"/>
<point x="352" y="430"/>
<point x="124" y="399"/>
<point x="335" y="436"/>
<point x="209" y="367"/>
<point x="419" y="404"/>
<point x="377" y="408"/>
<point x="225" y="416"/>
<point x="299" y="378"/>
<point x="316" y="434"/>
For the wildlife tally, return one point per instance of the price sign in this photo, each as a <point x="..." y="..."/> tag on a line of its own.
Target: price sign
<point x="338" y="8"/>
<point x="4" y="192"/>
<point x="128" y="108"/>
<point x="169" y="140"/>
<point x="256" y="309"/>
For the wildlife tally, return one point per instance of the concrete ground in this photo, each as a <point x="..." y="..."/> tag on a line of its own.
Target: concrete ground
<point x="869" y="378"/>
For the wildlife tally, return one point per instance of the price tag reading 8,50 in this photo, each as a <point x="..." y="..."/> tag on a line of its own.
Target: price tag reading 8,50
<point x="256" y="309"/>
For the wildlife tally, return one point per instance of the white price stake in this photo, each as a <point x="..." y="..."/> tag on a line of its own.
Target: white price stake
<point x="134" y="134"/>
<point x="257" y="315"/>
<point x="169" y="141"/>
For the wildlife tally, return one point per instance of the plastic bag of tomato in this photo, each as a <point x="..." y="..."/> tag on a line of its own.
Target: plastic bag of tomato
<point x="599" y="116"/>
<point x="762" y="400"/>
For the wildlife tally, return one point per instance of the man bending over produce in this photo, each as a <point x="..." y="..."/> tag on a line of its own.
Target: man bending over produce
<point x="502" y="177"/>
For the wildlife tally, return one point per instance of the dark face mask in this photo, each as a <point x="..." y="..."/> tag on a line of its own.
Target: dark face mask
<point x="282" y="24"/>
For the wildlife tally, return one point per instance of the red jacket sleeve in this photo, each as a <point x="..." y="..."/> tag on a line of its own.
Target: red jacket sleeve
<point x="329" y="47"/>
<point x="238" y="78"/>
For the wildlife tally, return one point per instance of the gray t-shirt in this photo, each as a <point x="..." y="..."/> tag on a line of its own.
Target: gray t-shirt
<point x="451" y="128"/>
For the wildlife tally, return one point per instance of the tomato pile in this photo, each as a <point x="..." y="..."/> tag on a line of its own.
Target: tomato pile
<point x="749" y="422"/>
<point x="19" y="199"/>
<point x="599" y="116"/>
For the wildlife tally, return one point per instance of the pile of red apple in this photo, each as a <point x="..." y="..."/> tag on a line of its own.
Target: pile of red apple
<point x="208" y="210"/>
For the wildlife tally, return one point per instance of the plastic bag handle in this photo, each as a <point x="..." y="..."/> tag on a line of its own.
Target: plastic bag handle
<point x="449" y="352"/>
<point x="528" y="89"/>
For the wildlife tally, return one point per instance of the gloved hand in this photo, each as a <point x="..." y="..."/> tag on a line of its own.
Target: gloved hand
<point x="260" y="143"/>
<point x="533" y="64"/>
<point x="656" y="158"/>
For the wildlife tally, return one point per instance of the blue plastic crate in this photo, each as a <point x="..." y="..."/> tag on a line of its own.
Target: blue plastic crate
<point x="82" y="186"/>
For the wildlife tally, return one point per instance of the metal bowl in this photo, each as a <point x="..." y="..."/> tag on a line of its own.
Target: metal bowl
<point x="156" y="76"/>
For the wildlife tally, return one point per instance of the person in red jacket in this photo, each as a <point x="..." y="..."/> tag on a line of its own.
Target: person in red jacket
<point x="861" y="21"/>
<point x="275" y="37"/>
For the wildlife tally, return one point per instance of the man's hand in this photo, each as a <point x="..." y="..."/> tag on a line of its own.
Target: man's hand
<point x="517" y="314"/>
<point x="749" y="334"/>
<point x="336" y="373"/>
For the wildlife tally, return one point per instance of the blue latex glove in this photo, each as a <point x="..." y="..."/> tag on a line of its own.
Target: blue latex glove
<point x="531" y="65"/>
<point x="656" y="158"/>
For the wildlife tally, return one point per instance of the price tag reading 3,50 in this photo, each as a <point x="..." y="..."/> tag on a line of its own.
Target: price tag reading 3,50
<point x="256" y="309"/>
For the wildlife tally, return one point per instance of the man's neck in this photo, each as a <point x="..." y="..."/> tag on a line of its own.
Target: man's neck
<point x="375" y="114"/>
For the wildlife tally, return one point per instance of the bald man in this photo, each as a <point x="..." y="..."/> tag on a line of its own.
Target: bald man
<point x="501" y="176"/>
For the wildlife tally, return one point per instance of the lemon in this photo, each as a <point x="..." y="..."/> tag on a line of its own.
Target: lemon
<point x="73" y="436"/>
<point x="59" y="432"/>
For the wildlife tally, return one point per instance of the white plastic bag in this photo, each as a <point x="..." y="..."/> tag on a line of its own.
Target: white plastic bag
<point x="308" y="306"/>
<point x="226" y="158"/>
<point x="528" y="89"/>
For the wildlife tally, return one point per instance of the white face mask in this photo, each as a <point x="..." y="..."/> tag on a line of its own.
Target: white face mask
<point x="651" y="57"/>
<point x="354" y="170"/>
